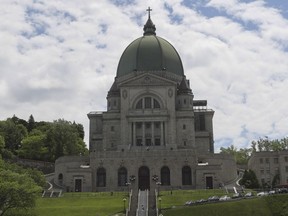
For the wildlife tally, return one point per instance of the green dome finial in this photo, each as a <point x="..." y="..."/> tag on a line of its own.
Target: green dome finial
<point x="149" y="27"/>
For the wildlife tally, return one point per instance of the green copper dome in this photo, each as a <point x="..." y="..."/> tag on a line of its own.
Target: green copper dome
<point x="150" y="53"/>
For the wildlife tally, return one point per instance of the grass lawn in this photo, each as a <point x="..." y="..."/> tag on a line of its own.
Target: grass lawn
<point x="76" y="204"/>
<point x="103" y="204"/>
<point x="179" y="197"/>
<point x="251" y="207"/>
<point x="172" y="205"/>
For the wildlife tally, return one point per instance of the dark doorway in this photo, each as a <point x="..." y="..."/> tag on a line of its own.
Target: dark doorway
<point x="186" y="176"/>
<point x="165" y="175"/>
<point x="209" y="182"/>
<point x="122" y="176"/>
<point x="78" y="185"/>
<point x="101" y="177"/>
<point x="144" y="178"/>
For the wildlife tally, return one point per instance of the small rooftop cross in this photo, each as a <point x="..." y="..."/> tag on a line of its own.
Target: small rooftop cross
<point x="149" y="10"/>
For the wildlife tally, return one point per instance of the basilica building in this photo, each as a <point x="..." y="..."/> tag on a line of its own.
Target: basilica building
<point x="153" y="133"/>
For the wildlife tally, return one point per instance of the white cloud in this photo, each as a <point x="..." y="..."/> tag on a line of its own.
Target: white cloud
<point x="59" y="59"/>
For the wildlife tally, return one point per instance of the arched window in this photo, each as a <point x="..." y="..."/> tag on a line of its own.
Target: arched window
<point x="60" y="178"/>
<point x="186" y="176"/>
<point x="156" y="104"/>
<point x="147" y="103"/>
<point x="165" y="175"/>
<point x="101" y="177"/>
<point x="139" y="104"/>
<point x="122" y="176"/>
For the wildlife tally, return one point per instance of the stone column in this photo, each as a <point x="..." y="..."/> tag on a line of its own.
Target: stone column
<point x="152" y="133"/>
<point x="162" y="133"/>
<point x="143" y="133"/>
<point x="134" y="133"/>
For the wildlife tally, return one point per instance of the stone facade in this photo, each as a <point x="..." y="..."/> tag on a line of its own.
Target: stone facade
<point x="153" y="134"/>
<point x="267" y="165"/>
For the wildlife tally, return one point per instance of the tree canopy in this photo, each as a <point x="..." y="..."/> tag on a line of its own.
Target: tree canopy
<point x="18" y="187"/>
<point x="241" y="156"/>
<point x="265" y="144"/>
<point x="41" y="140"/>
<point x="249" y="180"/>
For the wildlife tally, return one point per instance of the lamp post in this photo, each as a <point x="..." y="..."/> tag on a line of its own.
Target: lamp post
<point x="128" y="187"/>
<point x="159" y="204"/>
<point x="158" y="186"/>
<point x="124" y="206"/>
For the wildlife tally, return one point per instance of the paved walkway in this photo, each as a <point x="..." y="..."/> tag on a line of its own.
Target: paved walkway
<point x="142" y="203"/>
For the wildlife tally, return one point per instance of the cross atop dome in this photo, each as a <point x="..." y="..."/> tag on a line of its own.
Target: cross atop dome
<point x="149" y="10"/>
<point x="149" y="27"/>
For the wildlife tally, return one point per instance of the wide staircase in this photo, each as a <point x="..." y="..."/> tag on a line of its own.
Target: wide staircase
<point x="143" y="204"/>
<point x="133" y="204"/>
<point x="152" y="204"/>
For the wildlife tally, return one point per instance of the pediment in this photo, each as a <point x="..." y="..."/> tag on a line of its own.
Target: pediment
<point x="147" y="79"/>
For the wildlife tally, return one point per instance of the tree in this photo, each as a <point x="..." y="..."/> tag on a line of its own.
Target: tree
<point x="31" y="123"/>
<point x="63" y="139"/>
<point x="17" y="190"/>
<point x="276" y="180"/>
<point x="34" y="174"/>
<point x="249" y="179"/>
<point x="33" y="146"/>
<point x="241" y="156"/>
<point x="13" y="134"/>
<point x="265" y="144"/>
<point x="2" y="144"/>
<point x="45" y="141"/>
<point x="80" y="130"/>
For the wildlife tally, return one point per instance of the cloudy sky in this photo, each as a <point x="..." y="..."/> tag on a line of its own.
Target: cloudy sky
<point x="59" y="58"/>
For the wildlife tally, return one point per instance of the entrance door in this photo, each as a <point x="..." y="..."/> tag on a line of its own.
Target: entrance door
<point x="144" y="178"/>
<point x="78" y="185"/>
<point x="209" y="182"/>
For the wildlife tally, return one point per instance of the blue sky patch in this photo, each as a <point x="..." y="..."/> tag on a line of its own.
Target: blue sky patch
<point x="122" y="2"/>
<point x="138" y="19"/>
<point x="103" y="28"/>
<point x="224" y="142"/>
<point x="175" y="18"/>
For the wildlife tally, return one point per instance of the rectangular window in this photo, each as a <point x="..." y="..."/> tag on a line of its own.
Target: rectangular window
<point x="139" y="142"/>
<point x="262" y="171"/>
<point x="286" y="158"/>
<point x="138" y="125"/>
<point x="157" y="142"/>
<point x="276" y="161"/>
<point x="148" y="142"/>
<point x="157" y="125"/>
<point x="267" y="171"/>
<point x="200" y="122"/>
<point x="261" y="160"/>
<point x="286" y="168"/>
<point x="148" y="125"/>
<point x="266" y="160"/>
